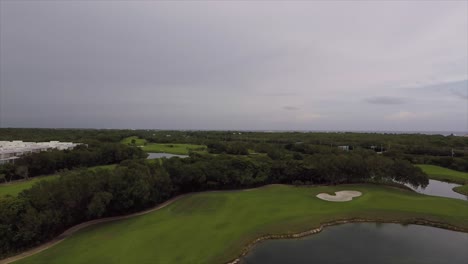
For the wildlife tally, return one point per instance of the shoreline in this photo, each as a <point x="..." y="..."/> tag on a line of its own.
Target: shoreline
<point x="319" y="229"/>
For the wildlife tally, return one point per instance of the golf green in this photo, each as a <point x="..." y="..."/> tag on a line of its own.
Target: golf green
<point x="180" y="149"/>
<point x="214" y="227"/>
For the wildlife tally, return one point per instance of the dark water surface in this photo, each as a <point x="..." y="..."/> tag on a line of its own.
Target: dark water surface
<point x="164" y="155"/>
<point x="367" y="243"/>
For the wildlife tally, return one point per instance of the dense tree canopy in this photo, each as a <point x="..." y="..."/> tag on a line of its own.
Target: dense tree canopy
<point x="48" y="162"/>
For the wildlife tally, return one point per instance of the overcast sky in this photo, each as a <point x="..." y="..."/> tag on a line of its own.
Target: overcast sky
<point x="341" y="65"/>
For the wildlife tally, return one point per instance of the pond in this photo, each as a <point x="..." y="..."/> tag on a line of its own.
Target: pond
<point x="444" y="189"/>
<point x="164" y="155"/>
<point x="366" y="243"/>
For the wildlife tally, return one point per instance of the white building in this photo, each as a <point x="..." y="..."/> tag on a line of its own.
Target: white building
<point x="12" y="150"/>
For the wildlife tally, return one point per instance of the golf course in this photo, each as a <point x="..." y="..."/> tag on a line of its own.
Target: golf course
<point x="216" y="227"/>
<point x="179" y="149"/>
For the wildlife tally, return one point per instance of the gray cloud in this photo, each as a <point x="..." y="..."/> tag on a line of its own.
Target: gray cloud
<point x="386" y="100"/>
<point x="228" y="65"/>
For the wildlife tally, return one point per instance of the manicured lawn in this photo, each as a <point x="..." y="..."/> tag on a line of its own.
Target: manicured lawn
<point x="213" y="227"/>
<point x="181" y="149"/>
<point x="444" y="174"/>
<point x="16" y="187"/>
<point x="138" y="141"/>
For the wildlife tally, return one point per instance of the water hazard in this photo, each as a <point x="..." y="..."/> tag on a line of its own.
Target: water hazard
<point x="367" y="243"/>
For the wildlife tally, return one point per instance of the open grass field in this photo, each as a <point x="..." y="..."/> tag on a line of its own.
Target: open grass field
<point x="214" y="227"/>
<point x="181" y="149"/>
<point x="138" y="141"/>
<point x="16" y="187"/>
<point x="444" y="174"/>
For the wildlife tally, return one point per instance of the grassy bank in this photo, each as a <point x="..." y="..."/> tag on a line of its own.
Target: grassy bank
<point x="214" y="227"/>
<point x="444" y="174"/>
<point x="461" y="189"/>
<point x="15" y="187"/>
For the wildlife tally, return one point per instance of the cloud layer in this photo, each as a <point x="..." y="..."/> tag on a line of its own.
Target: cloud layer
<point x="234" y="65"/>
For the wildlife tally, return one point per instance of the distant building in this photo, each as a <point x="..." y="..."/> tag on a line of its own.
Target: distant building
<point x="345" y="148"/>
<point x="12" y="150"/>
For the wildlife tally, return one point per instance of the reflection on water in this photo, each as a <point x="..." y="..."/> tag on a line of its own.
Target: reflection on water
<point x="367" y="243"/>
<point x="164" y="155"/>
<point x="444" y="189"/>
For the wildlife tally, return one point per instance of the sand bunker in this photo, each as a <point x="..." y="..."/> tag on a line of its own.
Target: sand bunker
<point x="341" y="196"/>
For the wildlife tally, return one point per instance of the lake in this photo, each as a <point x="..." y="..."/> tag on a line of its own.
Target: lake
<point x="439" y="188"/>
<point x="164" y="155"/>
<point x="366" y="243"/>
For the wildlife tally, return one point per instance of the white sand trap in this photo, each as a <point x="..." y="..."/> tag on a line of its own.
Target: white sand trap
<point x="341" y="196"/>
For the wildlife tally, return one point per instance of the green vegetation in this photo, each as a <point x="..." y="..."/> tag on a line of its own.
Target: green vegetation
<point x="133" y="140"/>
<point x="52" y="161"/>
<point x="444" y="174"/>
<point x="15" y="187"/>
<point x="136" y="185"/>
<point x="214" y="227"/>
<point x="461" y="189"/>
<point x="219" y="160"/>
<point x="180" y="149"/>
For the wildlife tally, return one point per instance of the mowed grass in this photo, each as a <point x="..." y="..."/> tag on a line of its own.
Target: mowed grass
<point x="15" y="187"/>
<point x="138" y="141"/>
<point x="181" y="149"/>
<point x="213" y="227"/>
<point x="444" y="174"/>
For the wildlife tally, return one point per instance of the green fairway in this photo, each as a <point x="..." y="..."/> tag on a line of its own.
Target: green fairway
<point x="181" y="149"/>
<point x="214" y="227"/>
<point x="444" y="174"/>
<point x="138" y="141"/>
<point x="16" y="187"/>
